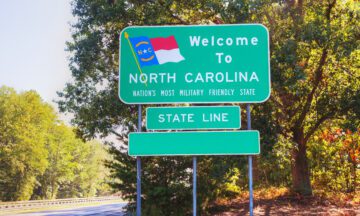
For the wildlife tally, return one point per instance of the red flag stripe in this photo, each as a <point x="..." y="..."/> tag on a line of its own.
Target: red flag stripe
<point x="161" y="43"/>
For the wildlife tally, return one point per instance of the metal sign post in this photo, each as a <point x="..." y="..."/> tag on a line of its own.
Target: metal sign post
<point x="194" y="185"/>
<point x="248" y="114"/>
<point x="138" y="170"/>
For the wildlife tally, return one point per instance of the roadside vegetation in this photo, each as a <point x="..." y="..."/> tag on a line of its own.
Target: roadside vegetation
<point x="309" y="127"/>
<point x="41" y="157"/>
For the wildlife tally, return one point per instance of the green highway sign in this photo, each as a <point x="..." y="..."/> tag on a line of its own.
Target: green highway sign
<point x="194" y="143"/>
<point x="198" y="117"/>
<point x="194" y="64"/>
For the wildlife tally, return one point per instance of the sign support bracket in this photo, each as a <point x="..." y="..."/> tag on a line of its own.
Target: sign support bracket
<point x="138" y="170"/>
<point x="251" y="204"/>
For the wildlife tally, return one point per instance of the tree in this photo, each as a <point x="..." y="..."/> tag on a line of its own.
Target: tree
<point x="39" y="155"/>
<point x="89" y="172"/>
<point x="76" y="168"/>
<point x="315" y="76"/>
<point x="61" y="144"/>
<point x="25" y="120"/>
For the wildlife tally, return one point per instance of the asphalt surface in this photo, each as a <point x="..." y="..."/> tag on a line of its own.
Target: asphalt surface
<point x="101" y="210"/>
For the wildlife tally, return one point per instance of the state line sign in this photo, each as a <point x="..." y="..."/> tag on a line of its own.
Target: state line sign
<point x="194" y="64"/>
<point x="195" y="117"/>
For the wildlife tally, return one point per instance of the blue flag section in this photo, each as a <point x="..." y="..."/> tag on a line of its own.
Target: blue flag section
<point x="144" y="51"/>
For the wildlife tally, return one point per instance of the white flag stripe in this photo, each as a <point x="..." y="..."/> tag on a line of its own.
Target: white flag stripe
<point x="164" y="56"/>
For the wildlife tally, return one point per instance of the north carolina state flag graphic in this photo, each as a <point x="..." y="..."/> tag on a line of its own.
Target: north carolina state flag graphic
<point x="155" y="51"/>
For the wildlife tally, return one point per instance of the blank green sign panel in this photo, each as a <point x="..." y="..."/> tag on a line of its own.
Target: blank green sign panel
<point x="201" y="117"/>
<point x="194" y="143"/>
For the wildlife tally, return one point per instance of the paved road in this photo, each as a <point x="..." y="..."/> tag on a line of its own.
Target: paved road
<point x="101" y="210"/>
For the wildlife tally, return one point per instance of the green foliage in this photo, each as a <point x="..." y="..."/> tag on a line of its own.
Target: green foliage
<point x="274" y="168"/>
<point x="25" y="120"/>
<point x="40" y="156"/>
<point x="165" y="182"/>
<point x="60" y="144"/>
<point x="218" y="177"/>
<point x="89" y="173"/>
<point x="335" y="157"/>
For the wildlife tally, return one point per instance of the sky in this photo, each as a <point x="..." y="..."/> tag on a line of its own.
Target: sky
<point x="32" y="45"/>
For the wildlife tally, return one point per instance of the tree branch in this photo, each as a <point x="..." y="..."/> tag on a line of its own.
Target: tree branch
<point x="328" y="10"/>
<point x="318" y="77"/>
<point x="318" y="74"/>
<point x="117" y="134"/>
<point x="317" y="125"/>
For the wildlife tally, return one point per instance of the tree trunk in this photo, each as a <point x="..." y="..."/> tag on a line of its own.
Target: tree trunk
<point x="300" y="168"/>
